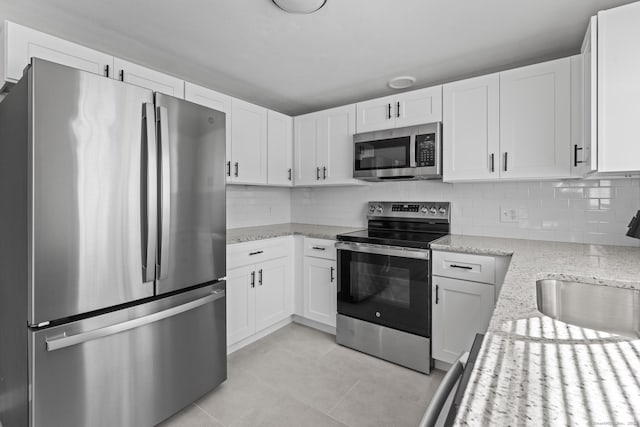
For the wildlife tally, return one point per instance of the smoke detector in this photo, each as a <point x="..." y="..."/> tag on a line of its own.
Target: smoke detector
<point x="401" y="82"/>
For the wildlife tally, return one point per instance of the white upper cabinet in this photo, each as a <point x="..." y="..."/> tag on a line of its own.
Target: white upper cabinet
<point x="535" y="121"/>
<point x="217" y="101"/>
<point x="146" y="77"/>
<point x="280" y="149"/>
<point x="618" y="58"/>
<point x="471" y="129"/>
<point x="324" y="147"/>
<point x="248" y="144"/>
<point x="405" y="109"/>
<point x="336" y="150"/>
<point x="20" y="44"/>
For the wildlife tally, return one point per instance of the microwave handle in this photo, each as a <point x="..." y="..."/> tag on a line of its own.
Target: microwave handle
<point x="412" y="151"/>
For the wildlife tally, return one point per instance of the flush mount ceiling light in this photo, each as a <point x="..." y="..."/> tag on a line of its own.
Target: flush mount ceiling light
<point x="401" y="82"/>
<point x="299" y="6"/>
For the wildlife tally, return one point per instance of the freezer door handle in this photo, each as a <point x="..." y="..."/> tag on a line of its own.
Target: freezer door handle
<point x="162" y="118"/>
<point x="63" y="342"/>
<point x="150" y="204"/>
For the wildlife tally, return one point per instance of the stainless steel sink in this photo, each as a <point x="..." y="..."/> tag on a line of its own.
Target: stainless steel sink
<point x="604" y="308"/>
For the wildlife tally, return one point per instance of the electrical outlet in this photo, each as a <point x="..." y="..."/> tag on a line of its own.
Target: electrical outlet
<point x="508" y="214"/>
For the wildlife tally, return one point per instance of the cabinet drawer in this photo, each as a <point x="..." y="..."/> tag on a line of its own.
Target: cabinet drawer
<point x="476" y="268"/>
<point x="320" y="248"/>
<point x="242" y="254"/>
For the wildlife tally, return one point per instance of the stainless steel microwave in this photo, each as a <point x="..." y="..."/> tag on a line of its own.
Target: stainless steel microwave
<point x="413" y="152"/>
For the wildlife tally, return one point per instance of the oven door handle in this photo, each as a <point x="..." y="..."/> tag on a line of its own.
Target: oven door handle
<point x="384" y="250"/>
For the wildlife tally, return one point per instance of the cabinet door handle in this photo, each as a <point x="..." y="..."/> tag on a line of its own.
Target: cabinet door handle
<point x="229" y="168"/>
<point x="318" y="248"/>
<point x="121" y="74"/>
<point x="332" y="278"/>
<point x="437" y="294"/>
<point x="290" y="173"/>
<point x="253" y="279"/>
<point x="389" y="111"/>
<point x="106" y="70"/>
<point x="464" y="267"/>
<point x="505" y="160"/>
<point x="255" y="253"/>
<point x="317" y="173"/>
<point x="260" y="277"/>
<point x="575" y="156"/>
<point x="492" y="158"/>
<point x="237" y="166"/>
<point x="398" y="109"/>
<point x="324" y="172"/>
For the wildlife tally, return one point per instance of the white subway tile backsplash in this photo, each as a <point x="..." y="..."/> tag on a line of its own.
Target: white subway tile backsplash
<point x="249" y="206"/>
<point x="584" y="211"/>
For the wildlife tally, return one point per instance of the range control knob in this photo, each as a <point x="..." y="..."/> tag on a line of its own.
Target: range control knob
<point x="442" y="211"/>
<point x="372" y="209"/>
<point x="424" y="210"/>
<point x="432" y="209"/>
<point x="379" y="209"/>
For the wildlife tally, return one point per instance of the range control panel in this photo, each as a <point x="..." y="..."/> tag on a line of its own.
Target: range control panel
<point x="426" y="210"/>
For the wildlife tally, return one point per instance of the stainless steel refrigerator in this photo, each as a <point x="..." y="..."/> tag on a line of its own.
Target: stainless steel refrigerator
<point x="112" y="251"/>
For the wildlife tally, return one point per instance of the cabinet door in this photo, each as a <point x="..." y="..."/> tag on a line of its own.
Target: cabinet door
<point x="585" y="74"/>
<point x="419" y="107"/>
<point x="320" y="298"/>
<point x="217" y="101"/>
<point x="279" y="149"/>
<point x="249" y="143"/>
<point x="273" y="292"/>
<point x="619" y="89"/>
<point x="306" y="135"/>
<point x="146" y="77"/>
<point x="471" y="129"/>
<point x="336" y="144"/>
<point x="376" y="114"/>
<point x="535" y="121"/>
<point x="22" y="43"/>
<point x="241" y="303"/>
<point x="460" y="310"/>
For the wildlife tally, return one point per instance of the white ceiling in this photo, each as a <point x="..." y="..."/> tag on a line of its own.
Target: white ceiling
<point x="344" y="53"/>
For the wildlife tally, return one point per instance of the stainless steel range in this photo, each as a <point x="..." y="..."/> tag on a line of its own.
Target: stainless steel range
<point x="384" y="282"/>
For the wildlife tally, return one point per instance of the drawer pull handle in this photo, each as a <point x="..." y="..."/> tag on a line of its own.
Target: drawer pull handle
<point x="255" y="253"/>
<point x="318" y="248"/>
<point x="464" y="267"/>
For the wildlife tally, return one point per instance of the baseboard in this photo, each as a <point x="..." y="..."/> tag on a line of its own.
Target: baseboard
<point x="313" y="324"/>
<point x="443" y="366"/>
<point x="255" y="337"/>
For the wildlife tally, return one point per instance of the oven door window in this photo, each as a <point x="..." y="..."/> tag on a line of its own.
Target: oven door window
<point x="386" y="290"/>
<point x="390" y="153"/>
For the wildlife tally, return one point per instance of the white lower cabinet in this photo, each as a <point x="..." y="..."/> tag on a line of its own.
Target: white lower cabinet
<point x="460" y="310"/>
<point x="320" y="300"/>
<point x="259" y="294"/>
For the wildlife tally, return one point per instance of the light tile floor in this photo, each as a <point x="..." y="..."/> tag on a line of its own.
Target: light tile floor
<point x="299" y="376"/>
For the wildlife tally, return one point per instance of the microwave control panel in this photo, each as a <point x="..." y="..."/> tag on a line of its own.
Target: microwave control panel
<point x="426" y="150"/>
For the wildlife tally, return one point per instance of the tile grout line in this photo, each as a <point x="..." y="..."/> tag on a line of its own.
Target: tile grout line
<point x="208" y="414"/>
<point x="342" y="397"/>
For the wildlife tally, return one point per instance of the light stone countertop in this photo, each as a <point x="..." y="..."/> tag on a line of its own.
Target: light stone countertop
<point x="249" y="234"/>
<point x="534" y="370"/>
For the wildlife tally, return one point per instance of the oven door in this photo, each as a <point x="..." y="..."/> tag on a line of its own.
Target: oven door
<point x="385" y="285"/>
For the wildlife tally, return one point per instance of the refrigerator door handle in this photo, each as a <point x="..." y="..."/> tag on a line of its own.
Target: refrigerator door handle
<point x="162" y="118"/>
<point x="150" y="219"/>
<point x="63" y="342"/>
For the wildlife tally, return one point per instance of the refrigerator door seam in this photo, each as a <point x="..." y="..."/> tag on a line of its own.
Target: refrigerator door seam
<point x="68" y="341"/>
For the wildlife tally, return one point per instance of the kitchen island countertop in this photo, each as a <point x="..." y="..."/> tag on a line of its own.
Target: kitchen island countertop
<point x="534" y="370"/>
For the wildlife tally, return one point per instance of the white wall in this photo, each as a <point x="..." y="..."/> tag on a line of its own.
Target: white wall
<point x="249" y="206"/>
<point x="591" y="211"/>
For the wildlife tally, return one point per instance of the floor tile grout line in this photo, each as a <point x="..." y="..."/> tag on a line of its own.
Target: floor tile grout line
<point x="342" y="397"/>
<point x="208" y="414"/>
